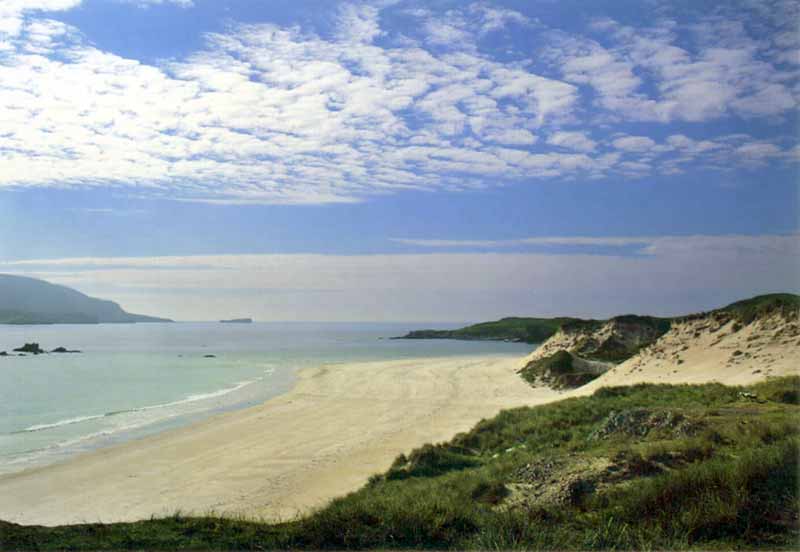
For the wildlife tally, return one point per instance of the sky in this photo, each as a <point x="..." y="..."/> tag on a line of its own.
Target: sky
<point x="401" y="160"/>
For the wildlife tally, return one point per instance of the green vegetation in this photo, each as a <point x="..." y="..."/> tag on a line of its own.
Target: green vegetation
<point x="616" y="350"/>
<point x="527" y="330"/>
<point x="639" y="467"/>
<point x="748" y="310"/>
<point x="612" y="349"/>
<point x="559" y="370"/>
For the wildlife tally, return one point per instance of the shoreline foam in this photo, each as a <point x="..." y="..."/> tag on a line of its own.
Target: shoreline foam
<point x="325" y="437"/>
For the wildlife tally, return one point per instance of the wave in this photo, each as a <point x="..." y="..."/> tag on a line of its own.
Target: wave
<point x="185" y="401"/>
<point x="68" y="421"/>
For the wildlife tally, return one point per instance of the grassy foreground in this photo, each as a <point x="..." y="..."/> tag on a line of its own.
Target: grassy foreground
<point x="640" y="467"/>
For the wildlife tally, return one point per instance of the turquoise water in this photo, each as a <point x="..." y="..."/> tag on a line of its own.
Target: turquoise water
<point x="133" y="380"/>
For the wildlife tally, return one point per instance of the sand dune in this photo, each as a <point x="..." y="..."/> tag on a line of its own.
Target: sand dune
<point x="339" y="425"/>
<point x="342" y="423"/>
<point x="703" y="350"/>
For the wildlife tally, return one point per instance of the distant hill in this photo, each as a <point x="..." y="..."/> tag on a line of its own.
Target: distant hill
<point x="31" y="301"/>
<point x="526" y="330"/>
<point x="538" y="330"/>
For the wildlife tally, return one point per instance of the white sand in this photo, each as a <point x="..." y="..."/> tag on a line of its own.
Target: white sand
<point x="342" y="423"/>
<point x="697" y="351"/>
<point x="339" y="425"/>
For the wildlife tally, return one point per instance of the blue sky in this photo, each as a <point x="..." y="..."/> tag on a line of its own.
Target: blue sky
<point x="418" y="160"/>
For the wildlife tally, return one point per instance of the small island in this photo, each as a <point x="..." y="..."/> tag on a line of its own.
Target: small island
<point x="237" y="321"/>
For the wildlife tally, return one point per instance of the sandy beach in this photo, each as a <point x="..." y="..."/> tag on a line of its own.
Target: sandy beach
<point x="340" y="424"/>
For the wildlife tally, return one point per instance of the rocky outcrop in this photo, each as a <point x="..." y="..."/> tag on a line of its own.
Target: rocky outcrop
<point x="590" y="348"/>
<point x="36" y="349"/>
<point x="639" y="422"/>
<point x="737" y="344"/>
<point x="562" y="370"/>
<point x="32" y="348"/>
<point x="610" y="341"/>
<point x="64" y="350"/>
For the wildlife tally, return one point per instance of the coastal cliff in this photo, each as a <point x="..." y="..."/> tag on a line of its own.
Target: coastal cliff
<point x="758" y="335"/>
<point x="737" y="344"/>
<point x="31" y="301"/>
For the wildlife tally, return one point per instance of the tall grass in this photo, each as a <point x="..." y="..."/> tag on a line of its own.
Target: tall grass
<point x="733" y="484"/>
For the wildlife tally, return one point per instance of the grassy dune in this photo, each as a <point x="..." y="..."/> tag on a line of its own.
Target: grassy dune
<point x="640" y="467"/>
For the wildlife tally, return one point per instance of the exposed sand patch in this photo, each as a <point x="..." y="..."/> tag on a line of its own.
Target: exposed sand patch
<point x="342" y="423"/>
<point x="704" y="350"/>
<point x="339" y="425"/>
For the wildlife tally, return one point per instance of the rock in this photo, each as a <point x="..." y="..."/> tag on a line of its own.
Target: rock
<point x="209" y="356"/>
<point x="63" y="350"/>
<point x="638" y="422"/>
<point x="3" y="353"/>
<point x="30" y="348"/>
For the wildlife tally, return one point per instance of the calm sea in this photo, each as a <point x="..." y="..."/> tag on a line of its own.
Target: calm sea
<point x="133" y="380"/>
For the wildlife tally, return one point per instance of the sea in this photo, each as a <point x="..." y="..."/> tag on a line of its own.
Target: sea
<point x="134" y="380"/>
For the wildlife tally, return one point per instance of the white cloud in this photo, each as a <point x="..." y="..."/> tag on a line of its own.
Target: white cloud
<point x="556" y="240"/>
<point x="148" y="3"/>
<point x="686" y="144"/>
<point x="12" y="12"/>
<point x="359" y="23"/>
<point x="634" y="143"/>
<point x="578" y="141"/>
<point x="723" y="71"/>
<point x="667" y="279"/>
<point x="493" y="19"/>
<point x="267" y="114"/>
<point x="517" y="136"/>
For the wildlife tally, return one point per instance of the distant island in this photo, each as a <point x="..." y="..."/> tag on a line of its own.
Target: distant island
<point x="31" y="301"/>
<point x="237" y="321"/>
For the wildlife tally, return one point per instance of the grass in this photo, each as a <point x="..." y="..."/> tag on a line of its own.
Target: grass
<point x="710" y="469"/>
<point x="749" y="309"/>
<point x="558" y="370"/>
<point x="538" y="330"/>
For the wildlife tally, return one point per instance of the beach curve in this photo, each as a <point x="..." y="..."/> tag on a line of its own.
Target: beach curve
<point x="340" y="424"/>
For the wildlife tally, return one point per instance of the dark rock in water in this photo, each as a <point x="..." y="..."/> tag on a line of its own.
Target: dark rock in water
<point x="63" y="350"/>
<point x="3" y="353"/>
<point x="209" y="356"/>
<point x="30" y="348"/>
<point x="237" y="321"/>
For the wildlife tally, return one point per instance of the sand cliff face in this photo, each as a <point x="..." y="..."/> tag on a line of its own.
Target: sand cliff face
<point x="713" y="346"/>
<point x="595" y="340"/>
<point x="716" y="347"/>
